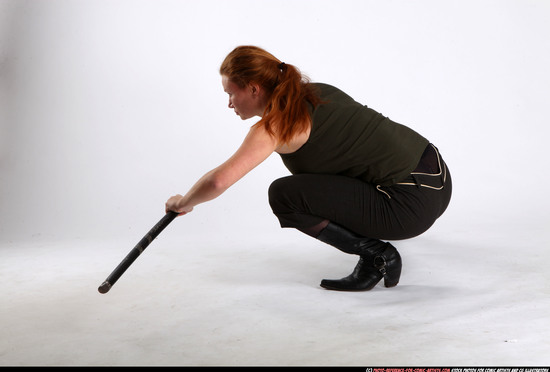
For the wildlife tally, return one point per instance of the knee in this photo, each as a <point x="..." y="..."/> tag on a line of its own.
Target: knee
<point x="278" y="192"/>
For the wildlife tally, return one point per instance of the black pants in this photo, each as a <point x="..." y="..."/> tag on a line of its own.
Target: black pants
<point x="400" y="211"/>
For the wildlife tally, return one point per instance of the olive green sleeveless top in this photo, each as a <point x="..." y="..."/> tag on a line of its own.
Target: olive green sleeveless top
<point x="350" y="139"/>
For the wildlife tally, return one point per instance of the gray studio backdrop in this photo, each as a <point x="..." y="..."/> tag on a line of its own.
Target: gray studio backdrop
<point x="109" y="107"/>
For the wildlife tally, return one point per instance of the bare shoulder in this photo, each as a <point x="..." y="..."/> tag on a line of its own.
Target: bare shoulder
<point x="257" y="145"/>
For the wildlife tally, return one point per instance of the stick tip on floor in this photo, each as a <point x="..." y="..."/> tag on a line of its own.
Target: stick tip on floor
<point x="104" y="287"/>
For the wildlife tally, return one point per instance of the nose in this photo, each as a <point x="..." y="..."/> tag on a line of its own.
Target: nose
<point x="230" y="104"/>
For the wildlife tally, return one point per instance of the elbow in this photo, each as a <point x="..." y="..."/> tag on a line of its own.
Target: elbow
<point x="217" y="183"/>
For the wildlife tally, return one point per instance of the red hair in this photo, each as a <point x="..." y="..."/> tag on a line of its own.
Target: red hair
<point x="288" y="91"/>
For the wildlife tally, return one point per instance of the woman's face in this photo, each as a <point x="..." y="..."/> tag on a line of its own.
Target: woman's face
<point x="247" y="102"/>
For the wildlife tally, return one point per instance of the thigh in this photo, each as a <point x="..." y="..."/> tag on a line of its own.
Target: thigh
<point x="395" y="213"/>
<point x="306" y="199"/>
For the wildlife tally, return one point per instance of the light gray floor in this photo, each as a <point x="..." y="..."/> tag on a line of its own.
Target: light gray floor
<point x="107" y="108"/>
<point x="466" y="297"/>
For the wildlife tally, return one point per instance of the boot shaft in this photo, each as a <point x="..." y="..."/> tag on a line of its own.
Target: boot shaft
<point x="350" y="242"/>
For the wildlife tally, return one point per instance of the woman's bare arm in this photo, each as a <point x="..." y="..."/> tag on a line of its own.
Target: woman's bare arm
<point x="256" y="147"/>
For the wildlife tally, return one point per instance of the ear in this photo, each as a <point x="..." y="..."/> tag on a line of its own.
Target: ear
<point x="255" y="89"/>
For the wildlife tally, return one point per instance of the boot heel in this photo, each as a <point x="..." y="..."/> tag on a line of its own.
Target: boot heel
<point x="391" y="279"/>
<point x="389" y="264"/>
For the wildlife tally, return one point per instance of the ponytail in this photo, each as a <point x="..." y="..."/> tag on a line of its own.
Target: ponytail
<point x="288" y="91"/>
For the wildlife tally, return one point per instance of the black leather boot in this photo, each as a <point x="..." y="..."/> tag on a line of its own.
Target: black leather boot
<point x="377" y="260"/>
